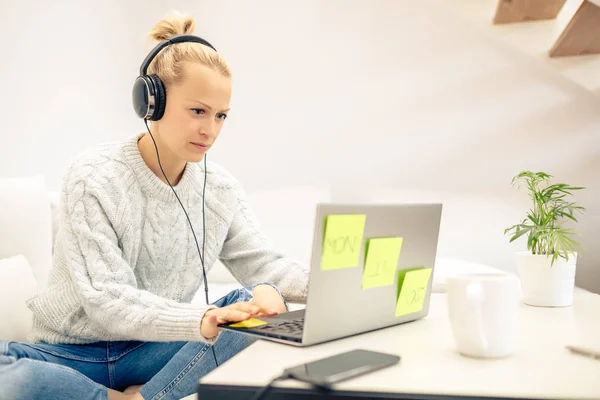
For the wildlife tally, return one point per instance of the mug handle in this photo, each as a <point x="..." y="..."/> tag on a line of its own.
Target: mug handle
<point x="475" y="297"/>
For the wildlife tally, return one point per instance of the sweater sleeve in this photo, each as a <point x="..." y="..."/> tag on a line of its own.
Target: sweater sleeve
<point x="251" y="258"/>
<point x="106" y="284"/>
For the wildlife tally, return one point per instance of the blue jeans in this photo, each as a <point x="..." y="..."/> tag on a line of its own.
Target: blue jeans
<point x="168" y="370"/>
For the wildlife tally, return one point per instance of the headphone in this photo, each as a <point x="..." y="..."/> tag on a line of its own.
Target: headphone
<point x="149" y="94"/>
<point x="149" y="101"/>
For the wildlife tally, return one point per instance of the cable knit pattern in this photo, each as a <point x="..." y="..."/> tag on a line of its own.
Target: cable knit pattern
<point x="126" y="266"/>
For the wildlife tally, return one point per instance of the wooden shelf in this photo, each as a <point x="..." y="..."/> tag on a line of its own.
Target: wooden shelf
<point x="510" y="11"/>
<point x="582" y="34"/>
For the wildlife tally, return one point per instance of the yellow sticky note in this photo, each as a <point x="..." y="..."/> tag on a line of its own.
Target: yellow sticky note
<point x="342" y="241"/>
<point x="381" y="260"/>
<point x="249" y="323"/>
<point x="413" y="288"/>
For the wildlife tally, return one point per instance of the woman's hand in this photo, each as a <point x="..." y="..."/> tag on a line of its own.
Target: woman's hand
<point x="232" y="313"/>
<point x="266" y="302"/>
<point x="268" y="299"/>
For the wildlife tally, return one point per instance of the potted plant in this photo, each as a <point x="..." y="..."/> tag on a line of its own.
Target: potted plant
<point x="547" y="268"/>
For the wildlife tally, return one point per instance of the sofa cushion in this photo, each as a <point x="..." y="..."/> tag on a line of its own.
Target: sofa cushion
<point x="17" y="284"/>
<point x="25" y="223"/>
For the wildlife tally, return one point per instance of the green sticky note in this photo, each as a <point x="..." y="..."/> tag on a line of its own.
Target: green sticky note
<point x="413" y="286"/>
<point x="342" y="241"/>
<point x="381" y="260"/>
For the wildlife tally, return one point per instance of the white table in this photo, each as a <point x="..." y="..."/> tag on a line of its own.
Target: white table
<point x="430" y="365"/>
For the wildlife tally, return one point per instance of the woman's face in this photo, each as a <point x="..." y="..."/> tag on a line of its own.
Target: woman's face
<point x="195" y="111"/>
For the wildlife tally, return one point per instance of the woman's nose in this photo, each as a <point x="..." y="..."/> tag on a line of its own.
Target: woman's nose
<point x="208" y="129"/>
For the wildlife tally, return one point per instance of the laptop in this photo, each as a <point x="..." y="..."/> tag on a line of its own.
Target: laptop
<point x="340" y="302"/>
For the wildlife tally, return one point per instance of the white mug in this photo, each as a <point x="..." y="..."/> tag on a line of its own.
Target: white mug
<point x="483" y="310"/>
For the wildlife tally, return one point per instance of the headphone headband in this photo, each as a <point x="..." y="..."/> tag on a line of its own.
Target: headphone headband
<point x="149" y="93"/>
<point x="175" y="39"/>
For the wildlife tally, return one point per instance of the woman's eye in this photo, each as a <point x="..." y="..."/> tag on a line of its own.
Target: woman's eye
<point x="222" y="116"/>
<point x="198" y="111"/>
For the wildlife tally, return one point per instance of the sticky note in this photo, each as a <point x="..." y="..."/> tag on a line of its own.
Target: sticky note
<point x="249" y="323"/>
<point x="381" y="260"/>
<point x="413" y="288"/>
<point x="342" y="241"/>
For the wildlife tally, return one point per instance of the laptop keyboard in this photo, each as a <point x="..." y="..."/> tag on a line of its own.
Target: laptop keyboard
<point x="286" y="327"/>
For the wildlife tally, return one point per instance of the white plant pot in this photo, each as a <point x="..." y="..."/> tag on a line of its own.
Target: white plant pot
<point x="546" y="285"/>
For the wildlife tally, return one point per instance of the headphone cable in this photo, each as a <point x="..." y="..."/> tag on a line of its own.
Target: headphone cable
<point x="190" y="222"/>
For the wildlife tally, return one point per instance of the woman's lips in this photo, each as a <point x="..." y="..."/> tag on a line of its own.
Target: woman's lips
<point x="200" y="146"/>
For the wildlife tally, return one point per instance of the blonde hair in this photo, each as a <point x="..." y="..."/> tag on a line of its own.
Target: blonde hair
<point x="168" y="64"/>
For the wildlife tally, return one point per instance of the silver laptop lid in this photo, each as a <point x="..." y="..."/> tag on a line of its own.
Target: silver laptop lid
<point x="337" y="305"/>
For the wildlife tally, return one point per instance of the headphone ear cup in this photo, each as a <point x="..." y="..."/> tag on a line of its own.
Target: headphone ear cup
<point x="160" y="98"/>
<point x="140" y="96"/>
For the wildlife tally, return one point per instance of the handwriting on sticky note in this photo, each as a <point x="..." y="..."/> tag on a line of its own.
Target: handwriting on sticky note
<point x="413" y="288"/>
<point x="381" y="260"/>
<point x="342" y="241"/>
<point x="249" y="323"/>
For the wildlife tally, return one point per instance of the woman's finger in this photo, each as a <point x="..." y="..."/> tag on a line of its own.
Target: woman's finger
<point x="229" y="315"/>
<point x="245" y="307"/>
<point x="264" y="311"/>
<point x="209" y="328"/>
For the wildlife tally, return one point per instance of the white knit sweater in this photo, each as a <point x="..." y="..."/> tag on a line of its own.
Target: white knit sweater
<point x="126" y="266"/>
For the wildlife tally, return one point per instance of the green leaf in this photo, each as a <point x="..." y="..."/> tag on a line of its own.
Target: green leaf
<point x="519" y="233"/>
<point x="550" y="208"/>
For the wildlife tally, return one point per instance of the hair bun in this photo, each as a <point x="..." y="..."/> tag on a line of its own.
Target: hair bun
<point x="171" y="25"/>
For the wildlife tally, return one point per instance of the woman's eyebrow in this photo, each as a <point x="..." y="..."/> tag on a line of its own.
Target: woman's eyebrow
<point x="206" y="105"/>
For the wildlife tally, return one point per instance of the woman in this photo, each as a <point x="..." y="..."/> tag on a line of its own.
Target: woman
<point x="116" y="313"/>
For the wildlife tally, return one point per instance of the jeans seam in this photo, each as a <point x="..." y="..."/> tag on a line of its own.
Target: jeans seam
<point x="120" y="355"/>
<point x="110" y="366"/>
<point x="181" y="374"/>
<point x="67" y="357"/>
<point x="108" y="369"/>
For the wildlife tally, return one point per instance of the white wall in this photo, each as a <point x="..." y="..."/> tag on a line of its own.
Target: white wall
<point x="66" y="72"/>
<point x="380" y="99"/>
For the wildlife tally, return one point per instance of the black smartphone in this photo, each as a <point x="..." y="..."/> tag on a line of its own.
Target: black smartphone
<point x="340" y="367"/>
